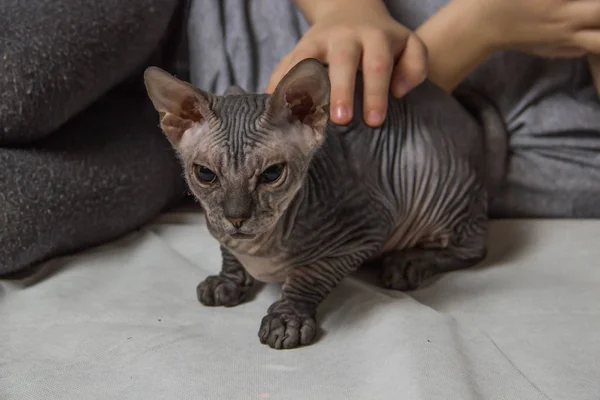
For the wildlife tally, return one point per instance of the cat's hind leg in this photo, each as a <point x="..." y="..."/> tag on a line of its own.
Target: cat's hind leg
<point x="409" y="269"/>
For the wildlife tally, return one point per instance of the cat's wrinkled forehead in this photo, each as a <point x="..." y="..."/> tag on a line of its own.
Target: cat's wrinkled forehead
<point x="239" y="111"/>
<point x="237" y="126"/>
<point x="239" y="130"/>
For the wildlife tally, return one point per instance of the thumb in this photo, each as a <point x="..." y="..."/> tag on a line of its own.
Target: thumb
<point x="594" y="61"/>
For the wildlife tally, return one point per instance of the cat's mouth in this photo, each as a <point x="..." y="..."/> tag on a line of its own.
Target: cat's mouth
<point x="240" y="235"/>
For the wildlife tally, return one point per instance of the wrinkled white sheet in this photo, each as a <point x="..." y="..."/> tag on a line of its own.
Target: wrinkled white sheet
<point x="122" y="322"/>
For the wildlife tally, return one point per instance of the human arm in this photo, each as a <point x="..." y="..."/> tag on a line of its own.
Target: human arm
<point x="464" y="33"/>
<point x="314" y="10"/>
<point x="352" y="34"/>
<point x="455" y="45"/>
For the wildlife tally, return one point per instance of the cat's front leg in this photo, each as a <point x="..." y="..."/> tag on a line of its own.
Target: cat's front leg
<point x="229" y="288"/>
<point x="290" y="322"/>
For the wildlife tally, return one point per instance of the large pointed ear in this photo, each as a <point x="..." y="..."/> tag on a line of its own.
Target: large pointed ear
<point x="178" y="103"/>
<point x="303" y="96"/>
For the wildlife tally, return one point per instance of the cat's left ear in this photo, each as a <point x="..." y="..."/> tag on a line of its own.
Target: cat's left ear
<point x="303" y="96"/>
<point x="178" y="103"/>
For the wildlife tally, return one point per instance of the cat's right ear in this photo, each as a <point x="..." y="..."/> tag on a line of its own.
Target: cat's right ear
<point x="178" y="103"/>
<point x="303" y="96"/>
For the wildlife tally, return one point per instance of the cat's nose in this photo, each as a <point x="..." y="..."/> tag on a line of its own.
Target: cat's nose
<point x="236" y="222"/>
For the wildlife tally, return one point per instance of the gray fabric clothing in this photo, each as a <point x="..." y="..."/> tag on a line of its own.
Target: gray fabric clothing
<point x="550" y="107"/>
<point x="554" y="127"/>
<point x="234" y="44"/>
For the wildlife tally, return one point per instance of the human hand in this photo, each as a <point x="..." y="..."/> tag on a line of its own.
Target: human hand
<point x="594" y="62"/>
<point x="360" y="35"/>
<point x="547" y="28"/>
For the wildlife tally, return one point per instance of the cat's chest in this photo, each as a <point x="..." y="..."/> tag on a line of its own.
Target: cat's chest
<point x="263" y="268"/>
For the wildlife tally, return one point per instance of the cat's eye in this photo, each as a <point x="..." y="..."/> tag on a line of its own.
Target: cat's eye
<point x="204" y="174"/>
<point x="271" y="174"/>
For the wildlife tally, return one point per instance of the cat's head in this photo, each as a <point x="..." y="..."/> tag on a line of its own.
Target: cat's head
<point x="245" y="156"/>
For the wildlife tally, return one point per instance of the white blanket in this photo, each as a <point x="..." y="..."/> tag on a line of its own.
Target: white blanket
<point x="122" y="322"/>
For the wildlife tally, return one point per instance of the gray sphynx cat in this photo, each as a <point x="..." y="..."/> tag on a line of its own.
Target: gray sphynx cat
<point x="294" y="199"/>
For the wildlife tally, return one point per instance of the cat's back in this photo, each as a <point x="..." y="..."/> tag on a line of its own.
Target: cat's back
<point x="424" y="161"/>
<point x="432" y="118"/>
<point x="426" y="134"/>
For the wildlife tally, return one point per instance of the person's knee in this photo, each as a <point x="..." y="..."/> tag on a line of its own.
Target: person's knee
<point x="46" y="78"/>
<point x="106" y="172"/>
<point x="19" y="244"/>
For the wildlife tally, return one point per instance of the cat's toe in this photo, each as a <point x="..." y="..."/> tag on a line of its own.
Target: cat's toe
<point x="287" y="331"/>
<point x="219" y="291"/>
<point x="403" y="273"/>
<point x="392" y="280"/>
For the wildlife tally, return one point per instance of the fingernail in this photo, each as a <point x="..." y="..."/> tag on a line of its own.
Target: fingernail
<point x="374" y="117"/>
<point x="341" y="113"/>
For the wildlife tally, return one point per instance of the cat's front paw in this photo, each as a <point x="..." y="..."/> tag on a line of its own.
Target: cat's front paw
<point x="219" y="291"/>
<point x="287" y="329"/>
